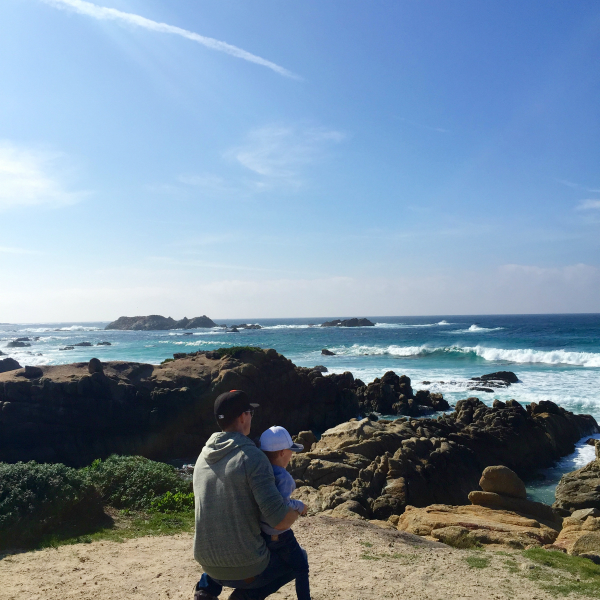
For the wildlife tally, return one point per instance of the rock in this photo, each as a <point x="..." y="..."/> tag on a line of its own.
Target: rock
<point x="307" y="439"/>
<point x="103" y="344"/>
<point x="481" y="389"/>
<point x="580" y="489"/>
<point x="233" y="330"/>
<point x="327" y="352"/>
<point x="349" y="510"/>
<point x="95" y="366"/>
<point x="587" y="543"/>
<point x="502" y="480"/>
<point x="67" y="348"/>
<point x="481" y="524"/>
<point x="164" y="411"/>
<point x="160" y="323"/>
<point x="320" y="369"/>
<point x="246" y="326"/>
<point x="83" y="344"/>
<point x="31" y="372"/>
<point x="537" y="510"/>
<point x="18" y="344"/>
<point x="393" y="394"/>
<point x="23" y="339"/>
<point x="501" y="378"/>
<point x="583" y="513"/>
<point x="348" y="323"/>
<point x="9" y="364"/>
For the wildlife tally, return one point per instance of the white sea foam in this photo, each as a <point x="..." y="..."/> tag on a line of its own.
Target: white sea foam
<point x="522" y="356"/>
<point x="549" y="357"/>
<point x="476" y="329"/>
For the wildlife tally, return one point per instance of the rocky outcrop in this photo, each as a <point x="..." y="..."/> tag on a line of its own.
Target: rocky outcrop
<point x="8" y="364"/>
<point x="18" y="344"/>
<point x="393" y="395"/>
<point x="348" y="323"/>
<point x="245" y="326"/>
<point x="477" y="525"/>
<point x="580" y="489"/>
<point x="388" y="465"/>
<point x="580" y="534"/>
<point x="66" y="413"/>
<point x="160" y="323"/>
<point x="327" y="352"/>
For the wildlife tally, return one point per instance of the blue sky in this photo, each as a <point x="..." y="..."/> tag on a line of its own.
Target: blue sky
<point x="271" y="159"/>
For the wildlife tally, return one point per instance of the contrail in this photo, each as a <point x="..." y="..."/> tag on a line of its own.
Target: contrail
<point x="112" y="14"/>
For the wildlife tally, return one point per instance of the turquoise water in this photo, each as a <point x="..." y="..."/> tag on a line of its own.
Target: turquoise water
<point x="556" y="357"/>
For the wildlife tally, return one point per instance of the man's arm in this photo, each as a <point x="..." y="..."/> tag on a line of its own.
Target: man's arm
<point x="288" y="520"/>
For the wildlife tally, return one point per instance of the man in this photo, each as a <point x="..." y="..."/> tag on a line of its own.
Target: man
<point x="234" y="488"/>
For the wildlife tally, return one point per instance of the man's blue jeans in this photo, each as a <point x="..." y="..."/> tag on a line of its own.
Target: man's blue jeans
<point x="275" y="576"/>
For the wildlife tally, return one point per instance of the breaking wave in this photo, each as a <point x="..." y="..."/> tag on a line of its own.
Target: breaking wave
<point x="521" y="356"/>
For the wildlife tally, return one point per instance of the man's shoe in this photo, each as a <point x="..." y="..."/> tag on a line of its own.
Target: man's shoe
<point x="203" y="595"/>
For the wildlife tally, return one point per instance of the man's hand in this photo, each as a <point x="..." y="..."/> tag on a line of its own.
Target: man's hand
<point x="288" y="520"/>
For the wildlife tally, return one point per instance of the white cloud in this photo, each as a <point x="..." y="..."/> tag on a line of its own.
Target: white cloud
<point x="31" y="178"/>
<point x="112" y="14"/>
<point x="589" y="205"/>
<point x="278" y="153"/>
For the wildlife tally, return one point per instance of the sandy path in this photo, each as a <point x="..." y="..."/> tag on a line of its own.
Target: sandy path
<point x="163" y="568"/>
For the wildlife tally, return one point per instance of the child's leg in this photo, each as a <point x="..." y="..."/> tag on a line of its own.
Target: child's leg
<point x="295" y="556"/>
<point x="301" y="570"/>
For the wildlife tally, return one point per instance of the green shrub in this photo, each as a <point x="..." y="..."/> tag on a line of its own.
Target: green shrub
<point x="39" y="499"/>
<point x="173" y="503"/>
<point x="134" y="481"/>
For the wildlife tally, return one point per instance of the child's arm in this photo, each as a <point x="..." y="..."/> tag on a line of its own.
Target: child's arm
<point x="286" y="485"/>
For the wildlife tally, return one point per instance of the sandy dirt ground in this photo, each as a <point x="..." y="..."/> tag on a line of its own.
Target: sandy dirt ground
<point x="348" y="560"/>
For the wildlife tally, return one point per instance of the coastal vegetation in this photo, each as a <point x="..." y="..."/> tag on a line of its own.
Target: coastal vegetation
<point x="123" y="496"/>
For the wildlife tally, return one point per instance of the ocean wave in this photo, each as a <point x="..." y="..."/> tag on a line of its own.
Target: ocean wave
<point x="476" y="329"/>
<point x="519" y="356"/>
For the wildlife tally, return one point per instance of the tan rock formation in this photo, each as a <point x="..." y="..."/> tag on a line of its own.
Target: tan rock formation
<point x="586" y="529"/>
<point x="481" y="524"/>
<point x="502" y="480"/>
<point x="537" y="510"/>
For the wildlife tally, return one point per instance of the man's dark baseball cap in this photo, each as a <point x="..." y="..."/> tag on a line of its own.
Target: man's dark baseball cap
<point x="231" y="405"/>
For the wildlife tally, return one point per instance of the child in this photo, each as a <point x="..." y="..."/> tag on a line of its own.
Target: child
<point x="277" y="444"/>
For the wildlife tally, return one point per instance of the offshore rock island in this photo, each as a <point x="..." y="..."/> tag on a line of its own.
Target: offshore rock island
<point x="159" y="323"/>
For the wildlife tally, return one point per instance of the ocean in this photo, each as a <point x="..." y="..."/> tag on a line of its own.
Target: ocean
<point x="556" y="357"/>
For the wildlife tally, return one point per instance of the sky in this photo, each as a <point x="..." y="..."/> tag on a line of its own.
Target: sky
<point x="298" y="159"/>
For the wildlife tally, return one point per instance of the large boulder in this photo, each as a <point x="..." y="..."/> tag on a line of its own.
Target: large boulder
<point x="479" y="524"/>
<point x="580" y="489"/>
<point x="9" y="364"/>
<point x="502" y="480"/>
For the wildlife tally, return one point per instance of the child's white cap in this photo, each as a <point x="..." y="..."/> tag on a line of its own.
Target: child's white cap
<point x="277" y="438"/>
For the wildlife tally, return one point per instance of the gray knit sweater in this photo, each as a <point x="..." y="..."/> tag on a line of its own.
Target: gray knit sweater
<point x="233" y="486"/>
